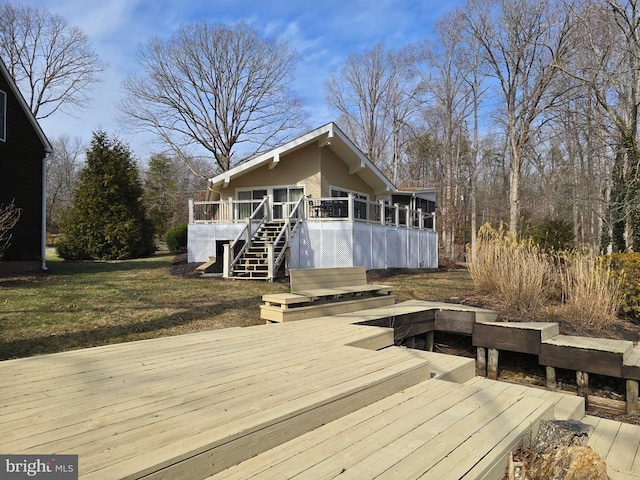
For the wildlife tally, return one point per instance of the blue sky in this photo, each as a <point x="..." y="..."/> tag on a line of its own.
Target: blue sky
<point x="323" y="32"/>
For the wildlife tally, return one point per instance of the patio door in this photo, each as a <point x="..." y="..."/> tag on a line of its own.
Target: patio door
<point x="283" y="200"/>
<point x="246" y="209"/>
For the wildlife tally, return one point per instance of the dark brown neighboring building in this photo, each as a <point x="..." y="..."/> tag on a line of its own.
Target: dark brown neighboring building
<point x="23" y="152"/>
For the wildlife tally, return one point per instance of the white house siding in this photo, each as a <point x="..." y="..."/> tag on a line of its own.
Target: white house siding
<point x="202" y="238"/>
<point x="344" y="244"/>
<point x="322" y="245"/>
<point x="334" y="244"/>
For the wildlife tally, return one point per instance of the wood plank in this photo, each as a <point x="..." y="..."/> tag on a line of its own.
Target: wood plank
<point x="603" y="435"/>
<point x="513" y="337"/>
<point x="320" y="310"/>
<point x="624" y="449"/>
<point x="374" y="367"/>
<point x="579" y="356"/>
<point x="454" y="321"/>
<point x="377" y="444"/>
<point x="314" y="278"/>
<point x="115" y="407"/>
<point x="384" y="419"/>
<point x="265" y="436"/>
<point x="623" y="347"/>
<point x="285" y="298"/>
<point x="493" y="464"/>
<point x="631" y="365"/>
<point x="566" y="406"/>
<point x="430" y="451"/>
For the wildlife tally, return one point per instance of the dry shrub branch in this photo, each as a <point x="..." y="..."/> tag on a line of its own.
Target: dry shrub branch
<point x="517" y="272"/>
<point x="591" y="293"/>
<point x="513" y="269"/>
<point x="9" y="217"/>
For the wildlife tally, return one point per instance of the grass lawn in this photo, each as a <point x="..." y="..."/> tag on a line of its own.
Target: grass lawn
<point x="84" y="304"/>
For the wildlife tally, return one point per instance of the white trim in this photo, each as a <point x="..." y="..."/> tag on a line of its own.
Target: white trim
<point x="327" y="135"/>
<point x="269" y="189"/>
<point x="3" y="116"/>
<point x="365" y="196"/>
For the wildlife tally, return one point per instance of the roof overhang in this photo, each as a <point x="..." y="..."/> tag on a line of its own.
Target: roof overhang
<point x="23" y="104"/>
<point x="327" y="136"/>
<point x="426" y="193"/>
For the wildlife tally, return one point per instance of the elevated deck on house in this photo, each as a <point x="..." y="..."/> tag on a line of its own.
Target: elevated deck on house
<point x="193" y="406"/>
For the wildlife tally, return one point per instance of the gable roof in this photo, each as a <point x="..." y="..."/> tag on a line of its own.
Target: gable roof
<point x="328" y="135"/>
<point x="27" y="111"/>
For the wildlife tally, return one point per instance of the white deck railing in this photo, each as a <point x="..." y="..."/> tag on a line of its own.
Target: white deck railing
<point x="349" y="209"/>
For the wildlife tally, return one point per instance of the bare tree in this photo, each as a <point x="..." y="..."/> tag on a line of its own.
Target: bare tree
<point x="608" y="64"/>
<point x="452" y="100"/>
<point x="9" y="217"/>
<point x="51" y="61"/>
<point x="63" y="167"/>
<point x="377" y="94"/>
<point x="521" y="41"/>
<point x="214" y="89"/>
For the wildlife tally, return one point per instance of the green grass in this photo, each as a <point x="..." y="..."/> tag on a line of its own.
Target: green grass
<point x="85" y="304"/>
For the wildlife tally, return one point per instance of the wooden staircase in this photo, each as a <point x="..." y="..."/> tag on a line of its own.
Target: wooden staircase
<point x="254" y="262"/>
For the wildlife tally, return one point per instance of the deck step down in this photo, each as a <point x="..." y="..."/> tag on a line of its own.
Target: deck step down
<point x="435" y="429"/>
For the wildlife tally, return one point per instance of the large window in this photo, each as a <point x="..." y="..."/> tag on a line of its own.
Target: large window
<point x="3" y="116"/>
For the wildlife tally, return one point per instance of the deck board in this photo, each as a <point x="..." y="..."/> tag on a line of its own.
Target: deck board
<point x="619" y="444"/>
<point x="126" y="406"/>
<point x="440" y="430"/>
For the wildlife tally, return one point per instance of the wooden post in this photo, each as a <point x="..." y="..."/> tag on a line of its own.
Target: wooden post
<point x="632" y="396"/>
<point x="481" y="361"/>
<point x="226" y="261"/>
<point x="551" y="378"/>
<point x="582" y="379"/>
<point x="492" y="364"/>
<point x="270" y="259"/>
<point x="429" y="341"/>
<point x="411" y="342"/>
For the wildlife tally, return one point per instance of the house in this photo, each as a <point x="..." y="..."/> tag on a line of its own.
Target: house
<point x="23" y="152"/>
<point x="315" y="202"/>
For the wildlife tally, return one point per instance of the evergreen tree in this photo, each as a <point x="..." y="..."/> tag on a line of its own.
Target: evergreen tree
<point x="161" y="193"/>
<point x="107" y="219"/>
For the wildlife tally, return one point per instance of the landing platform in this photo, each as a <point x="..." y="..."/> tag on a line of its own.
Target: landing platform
<point x="189" y="406"/>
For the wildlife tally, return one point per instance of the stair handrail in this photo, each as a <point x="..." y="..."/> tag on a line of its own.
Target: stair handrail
<point x="247" y="231"/>
<point x="297" y="214"/>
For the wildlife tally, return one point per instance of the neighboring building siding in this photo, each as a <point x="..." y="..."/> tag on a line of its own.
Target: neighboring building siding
<point x="300" y="167"/>
<point x="336" y="173"/>
<point x="21" y="179"/>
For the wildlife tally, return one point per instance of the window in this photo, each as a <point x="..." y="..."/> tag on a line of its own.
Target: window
<point x="359" y="203"/>
<point x="3" y="116"/>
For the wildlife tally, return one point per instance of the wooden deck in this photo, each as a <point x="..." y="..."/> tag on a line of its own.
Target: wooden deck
<point x="617" y="443"/>
<point x="332" y="389"/>
<point x="433" y="430"/>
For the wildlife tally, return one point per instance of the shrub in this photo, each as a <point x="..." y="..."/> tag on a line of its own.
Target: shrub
<point x="590" y="290"/>
<point x="551" y="234"/>
<point x="513" y="269"/>
<point x="518" y="272"/>
<point x="176" y="238"/>
<point x="627" y="268"/>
